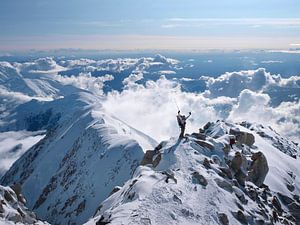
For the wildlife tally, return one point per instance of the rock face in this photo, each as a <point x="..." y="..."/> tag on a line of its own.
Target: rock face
<point x="223" y="219"/>
<point x="243" y="137"/>
<point x="205" y="144"/>
<point x="14" y="211"/>
<point x="236" y="162"/>
<point x="259" y="169"/>
<point x="200" y="179"/>
<point x="151" y="158"/>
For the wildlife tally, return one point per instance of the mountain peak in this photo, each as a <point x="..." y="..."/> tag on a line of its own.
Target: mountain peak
<point x="195" y="180"/>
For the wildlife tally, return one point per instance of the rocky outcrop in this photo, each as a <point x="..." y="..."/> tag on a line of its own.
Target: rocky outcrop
<point x="223" y="219"/>
<point x="205" y="144"/>
<point x="258" y="169"/>
<point x="243" y="137"/>
<point x="199" y="179"/>
<point x="12" y="210"/>
<point x="192" y="178"/>
<point x="151" y="158"/>
<point x="236" y="162"/>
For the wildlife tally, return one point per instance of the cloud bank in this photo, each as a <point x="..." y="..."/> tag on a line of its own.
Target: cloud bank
<point x="150" y="105"/>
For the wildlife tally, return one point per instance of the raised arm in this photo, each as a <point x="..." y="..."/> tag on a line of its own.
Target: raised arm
<point x="188" y="115"/>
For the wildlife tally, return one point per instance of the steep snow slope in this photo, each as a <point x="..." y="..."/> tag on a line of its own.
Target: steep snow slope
<point x="12" y="209"/>
<point x="77" y="164"/>
<point x="193" y="184"/>
<point x="13" y="144"/>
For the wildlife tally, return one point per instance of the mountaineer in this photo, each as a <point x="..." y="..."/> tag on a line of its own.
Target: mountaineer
<point x="181" y="119"/>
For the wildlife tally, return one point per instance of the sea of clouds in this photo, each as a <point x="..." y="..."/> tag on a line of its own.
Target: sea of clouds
<point x="145" y="92"/>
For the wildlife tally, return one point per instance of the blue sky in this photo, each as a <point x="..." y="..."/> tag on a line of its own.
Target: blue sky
<point x="145" y="24"/>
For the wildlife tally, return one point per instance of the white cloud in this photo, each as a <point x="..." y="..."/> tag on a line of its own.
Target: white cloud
<point x="271" y="61"/>
<point x="232" y="84"/>
<point x="252" y="22"/>
<point x="254" y="107"/>
<point x="86" y="81"/>
<point x="14" y="144"/>
<point x="152" y="108"/>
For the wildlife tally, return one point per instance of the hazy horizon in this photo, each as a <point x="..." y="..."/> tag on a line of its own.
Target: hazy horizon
<point x="147" y="25"/>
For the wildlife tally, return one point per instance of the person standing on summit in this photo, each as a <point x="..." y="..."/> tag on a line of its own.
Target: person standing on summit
<point x="181" y="119"/>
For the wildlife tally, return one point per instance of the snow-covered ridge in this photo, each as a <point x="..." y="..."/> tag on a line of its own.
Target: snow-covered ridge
<point x="77" y="164"/>
<point x="192" y="181"/>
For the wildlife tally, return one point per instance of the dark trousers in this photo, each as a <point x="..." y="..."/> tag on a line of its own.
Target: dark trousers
<point x="182" y="129"/>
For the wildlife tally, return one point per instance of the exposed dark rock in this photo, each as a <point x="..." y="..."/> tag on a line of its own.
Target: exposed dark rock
<point x="240" y="206"/>
<point x="21" y="212"/>
<point x="207" y="125"/>
<point x="297" y="198"/>
<point x="242" y="199"/>
<point x="177" y="199"/>
<point x="158" y="147"/>
<point x="102" y="221"/>
<point x="52" y="185"/>
<point x="224" y="184"/>
<point x="259" y="222"/>
<point x="285" y="199"/>
<point x="1" y="208"/>
<point x="243" y="137"/>
<point x="294" y="209"/>
<point x="239" y="215"/>
<point x="199" y="136"/>
<point x="206" y="163"/>
<point x="69" y="201"/>
<point x="205" y="144"/>
<point x="252" y="194"/>
<point x="17" y="188"/>
<point x="236" y="162"/>
<point x="258" y="169"/>
<point x="187" y="212"/>
<point x="226" y="149"/>
<point x="277" y="205"/>
<point x="156" y="160"/>
<point x="226" y="171"/>
<point x="114" y="190"/>
<point x="151" y="157"/>
<point x="16" y="218"/>
<point x="199" y="179"/>
<point x="169" y="176"/>
<point x="275" y="216"/>
<point x="290" y="187"/>
<point x="147" y="157"/>
<point x="80" y="207"/>
<point x="7" y="196"/>
<point x="223" y="218"/>
<point x="240" y="176"/>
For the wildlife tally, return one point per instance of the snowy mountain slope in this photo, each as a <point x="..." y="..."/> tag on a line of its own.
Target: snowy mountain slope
<point x="12" y="209"/>
<point x="34" y="79"/>
<point x="13" y="144"/>
<point x="285" y="145"/>
<point x="194" y="184"/>
<point x="81" y="159"/>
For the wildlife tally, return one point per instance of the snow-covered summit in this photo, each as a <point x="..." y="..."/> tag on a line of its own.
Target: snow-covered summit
<point x="193" y="181"/>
